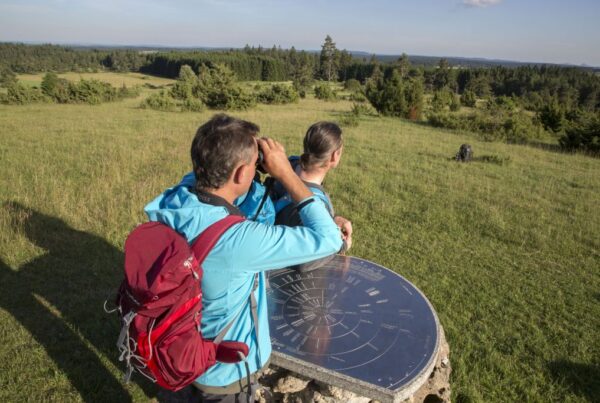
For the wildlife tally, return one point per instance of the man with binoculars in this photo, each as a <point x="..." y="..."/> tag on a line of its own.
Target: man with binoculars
<point x="224" y="155"/>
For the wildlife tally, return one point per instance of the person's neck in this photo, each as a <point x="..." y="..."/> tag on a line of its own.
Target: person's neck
<point x="315" y="175"/>
<point x="223" y="193"/>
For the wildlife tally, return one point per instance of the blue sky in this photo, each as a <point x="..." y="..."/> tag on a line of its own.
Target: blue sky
<point x="526" y="30"/>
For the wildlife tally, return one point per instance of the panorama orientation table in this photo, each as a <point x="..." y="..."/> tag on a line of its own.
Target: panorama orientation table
<point x="353" y="324"/>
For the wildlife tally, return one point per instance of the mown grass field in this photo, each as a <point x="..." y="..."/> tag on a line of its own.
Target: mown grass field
<point x="507" y="248"/>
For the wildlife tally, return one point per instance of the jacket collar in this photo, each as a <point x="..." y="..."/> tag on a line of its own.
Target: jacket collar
<point x="214" y="200"/>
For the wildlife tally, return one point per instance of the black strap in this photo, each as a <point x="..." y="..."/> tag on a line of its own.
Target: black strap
<point x="214" y="200"/>
<point x="268" y="186"/>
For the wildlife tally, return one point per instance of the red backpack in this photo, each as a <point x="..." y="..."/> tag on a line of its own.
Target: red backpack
<point x="160" y="303"/>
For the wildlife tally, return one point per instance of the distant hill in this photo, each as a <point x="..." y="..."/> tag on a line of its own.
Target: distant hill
<point x="420" y="60"/>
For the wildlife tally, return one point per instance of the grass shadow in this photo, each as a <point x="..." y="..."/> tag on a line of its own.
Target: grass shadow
<point x="58" y="298"/>
<point x="581" y="378"/>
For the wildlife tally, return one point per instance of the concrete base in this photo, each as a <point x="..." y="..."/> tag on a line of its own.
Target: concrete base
<point x="281" y="385"/>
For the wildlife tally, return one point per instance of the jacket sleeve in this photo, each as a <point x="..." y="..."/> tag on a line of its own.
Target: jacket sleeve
<point x="258" y="247"/>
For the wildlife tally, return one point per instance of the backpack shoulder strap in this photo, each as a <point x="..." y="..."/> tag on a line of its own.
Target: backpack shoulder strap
<point x="209" y="237"/>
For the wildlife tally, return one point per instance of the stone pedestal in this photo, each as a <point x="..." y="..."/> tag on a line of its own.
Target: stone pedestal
<point x="280" y="385"/>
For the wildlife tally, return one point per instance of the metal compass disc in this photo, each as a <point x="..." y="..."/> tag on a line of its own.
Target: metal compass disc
<point x="354" y="320"/>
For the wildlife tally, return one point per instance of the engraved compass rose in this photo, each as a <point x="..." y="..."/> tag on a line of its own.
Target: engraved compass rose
<point x="353" y="318"/>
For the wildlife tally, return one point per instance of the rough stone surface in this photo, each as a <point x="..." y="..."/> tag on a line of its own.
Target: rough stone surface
<point x="280" y="385"/>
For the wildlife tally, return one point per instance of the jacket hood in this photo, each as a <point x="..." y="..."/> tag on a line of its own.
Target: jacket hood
<point x="181" y="210"/>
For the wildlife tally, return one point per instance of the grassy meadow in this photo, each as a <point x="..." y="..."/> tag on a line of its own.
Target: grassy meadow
<point x="507" y="248"/>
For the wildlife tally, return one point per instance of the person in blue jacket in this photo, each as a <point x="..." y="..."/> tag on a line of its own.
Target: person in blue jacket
<point x="224" y="157"/>
<point x="323" y="146"/>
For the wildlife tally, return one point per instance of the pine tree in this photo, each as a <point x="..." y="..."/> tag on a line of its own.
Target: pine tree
<point x="403" y="64"/>
<point x="328" y="60"/>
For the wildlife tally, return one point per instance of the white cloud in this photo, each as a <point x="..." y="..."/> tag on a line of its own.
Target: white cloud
<point x="480" y="3"/>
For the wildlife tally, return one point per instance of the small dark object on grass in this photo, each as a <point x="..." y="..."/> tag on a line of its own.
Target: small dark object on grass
<point x="465" y="153"/>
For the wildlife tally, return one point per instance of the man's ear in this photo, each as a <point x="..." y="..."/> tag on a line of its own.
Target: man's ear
<point x="241" y="172"/>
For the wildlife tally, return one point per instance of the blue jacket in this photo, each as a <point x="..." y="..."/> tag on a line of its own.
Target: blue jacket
<point x="248" y="203"/>
<point x="243" y="250"/>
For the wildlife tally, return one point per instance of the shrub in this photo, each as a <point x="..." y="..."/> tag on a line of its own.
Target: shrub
<point x="218" y="88"/>
<point x="324" y="92"/>
<point x="56" y="88"/>
<point x="359" y="109"/>
<point x="129" y="92"/>
<point x="160" y="102"/>
<point x="278" y="94"/>
<point x="184" y="86"/>
<point x="192" y="105"/>
<point x="352" y="85"/>
<point x="395" y="96"/>
<point x="19" y="94"/>
<point x="583" y="134"/>
<point x="468" y="98"/>
<point x="455" y="103"/>
<point x="551" y="117"/>
<point x="92" y="92"/>
<point x="441" y="99"/>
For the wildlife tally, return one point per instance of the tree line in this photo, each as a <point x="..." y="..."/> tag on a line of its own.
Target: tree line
<point x="511" y="104"/>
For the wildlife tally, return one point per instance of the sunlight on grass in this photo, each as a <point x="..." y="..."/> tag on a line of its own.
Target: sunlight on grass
<point x="507" y="248"/>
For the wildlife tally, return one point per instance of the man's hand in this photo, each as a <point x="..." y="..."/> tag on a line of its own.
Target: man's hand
<point x="345" y="227"/>
<point x="276" y="163"/>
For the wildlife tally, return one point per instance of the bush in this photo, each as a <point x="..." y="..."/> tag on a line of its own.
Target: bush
<point x="468" y="98"/>
<point x="277" y="94"/>
<point x="395" y="96"/>
<point x="583" y="135"/>
<point x="160" y="102"/>
<point x="455" y="103"/>
<point x="19" y="94"/>
<point x="441" y="99"/>
<point x="192" y="105"/>
<point x="352" y="85"/>
<point x="184" y="86"/>
<point x="551" y="117"/>
<point x="129" y="92"/>
<point x="324" y="92"/>
<point x="360" y="109"/>
<point x="218" y="88"/>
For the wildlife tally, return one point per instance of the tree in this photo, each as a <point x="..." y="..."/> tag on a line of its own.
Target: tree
<point x="328" y="60"/>
<point x="468" y="98"/>
<point x="583" y="135"/>
<point x="184" y="86"/>
<point x="551" y="117"/>
<point x="56" y="88"/>
<point x="218" y="88"/>
<point x="443" y="76"/>
<point x="344" y="62"/>
<point x="403" y="64"/>
<point x="393" y="96"/>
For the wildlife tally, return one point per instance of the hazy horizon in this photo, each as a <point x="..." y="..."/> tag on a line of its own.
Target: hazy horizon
<point x="536" y="31"/>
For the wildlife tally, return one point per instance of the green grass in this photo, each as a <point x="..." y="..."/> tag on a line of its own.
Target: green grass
<point x="507" y="248"/>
